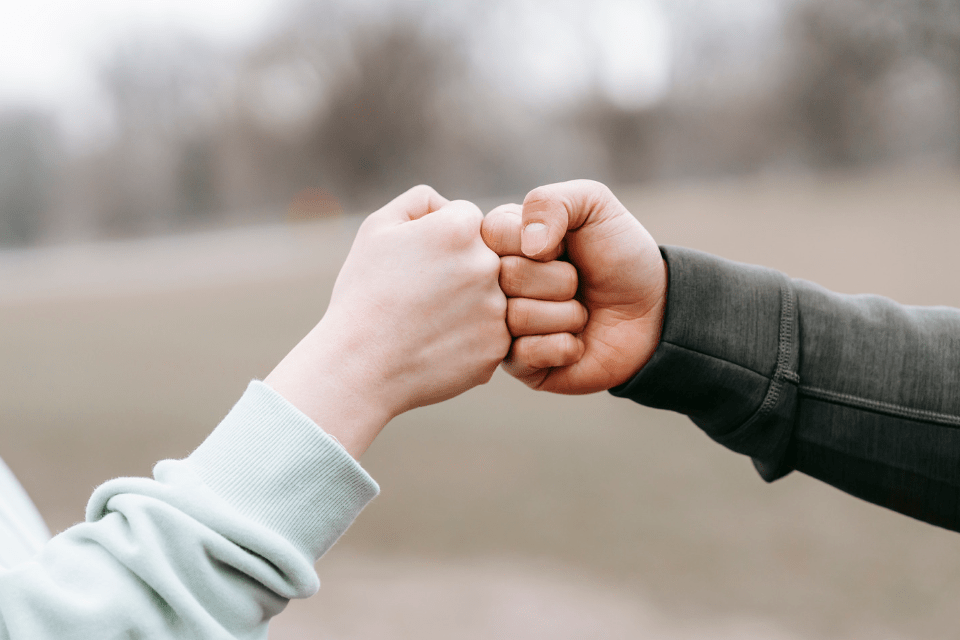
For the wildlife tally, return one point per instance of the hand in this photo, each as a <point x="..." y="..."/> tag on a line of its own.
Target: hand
<point x="622" y="287"/>
<point x="416" y="317"/>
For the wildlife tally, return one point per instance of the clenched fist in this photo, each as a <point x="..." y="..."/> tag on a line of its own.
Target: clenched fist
<point x="416" y="316"/>
<point x="587" y="322"/>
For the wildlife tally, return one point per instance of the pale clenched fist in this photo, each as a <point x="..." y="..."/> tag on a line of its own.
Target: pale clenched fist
<point x="416" y="316"/>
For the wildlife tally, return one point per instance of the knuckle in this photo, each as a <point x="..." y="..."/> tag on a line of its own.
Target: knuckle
<point x="518" y="315"/>
<point x="423" y="192"/>
<point x="468" y="221"/>
<point x="470" y="209"/>
<point x="495" y="348"/>
<point x="581" y="315"/>
<point x="538" y="352"/>
<point x="492" y="233"/>
<point x="569" y="279"/>
<point x="500" y="229"/>
<point x="592" y="186"/>
<point x="569" y="347"/>
<point x="459" y="232"/>
<point x="505" y="212"/>
<point x="500" y="348"/>
<point x="519" y="354"/>
<point x="500" y="305"/>
<point x="489" y="229"/>
<point x="493" y="221"/>
<point x="539" y="195"/>
<point x="482" y="263"/>
<point x="490" y="262"/>
<point x="506" y="237"/>
<point x="511" y="275"/>
<point x="546" y="198"/>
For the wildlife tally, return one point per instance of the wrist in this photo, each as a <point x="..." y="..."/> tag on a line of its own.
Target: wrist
<point x="650" y="327"/>
<point x="324" y="376"/>
<point x="659" y="312"/>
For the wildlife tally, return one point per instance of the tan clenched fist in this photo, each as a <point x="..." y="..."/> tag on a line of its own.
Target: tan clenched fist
<point x="587" y="322"/>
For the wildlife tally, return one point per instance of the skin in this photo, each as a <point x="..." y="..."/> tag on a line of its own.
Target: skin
<point x="432" y="292"/>
<point x="416" y="317"/>
<point x="598" y="333"/>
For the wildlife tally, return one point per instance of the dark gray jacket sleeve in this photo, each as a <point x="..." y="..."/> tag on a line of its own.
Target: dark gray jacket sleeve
<point x="856" y="390"/>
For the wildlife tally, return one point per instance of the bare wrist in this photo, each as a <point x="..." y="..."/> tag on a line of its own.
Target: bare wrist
<point x="322" y="378"/>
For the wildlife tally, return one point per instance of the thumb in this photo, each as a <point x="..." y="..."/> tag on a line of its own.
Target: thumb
<point x="413" y="204"/>
<point x="549" y="212"/>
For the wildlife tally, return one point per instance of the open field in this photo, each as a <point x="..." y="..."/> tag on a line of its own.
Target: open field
<point x="504" y="513"/>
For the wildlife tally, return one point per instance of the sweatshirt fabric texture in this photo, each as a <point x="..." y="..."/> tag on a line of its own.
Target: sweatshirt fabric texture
<point x="855" y="390"/>
<point x="213" y="546"/>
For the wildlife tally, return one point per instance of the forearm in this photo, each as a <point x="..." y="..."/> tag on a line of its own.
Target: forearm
<point x="855" y="390"/>
<point x="213" y="546"/>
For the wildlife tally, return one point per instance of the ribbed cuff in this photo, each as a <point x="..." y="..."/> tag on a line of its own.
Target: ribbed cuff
<point x="276" y="466"/>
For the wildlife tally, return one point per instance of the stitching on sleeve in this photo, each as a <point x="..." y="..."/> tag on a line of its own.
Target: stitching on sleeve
<point x="876" y="406"/>
<point x="783" y="374"/>
<point x="785" y="348"/>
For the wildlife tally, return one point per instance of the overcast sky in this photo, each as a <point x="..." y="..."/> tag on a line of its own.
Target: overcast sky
<point x="553" y="50"/>
<point x="50" y="49"/>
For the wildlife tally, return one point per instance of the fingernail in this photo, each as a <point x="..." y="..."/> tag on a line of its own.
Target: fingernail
<point x="533" y="240"/>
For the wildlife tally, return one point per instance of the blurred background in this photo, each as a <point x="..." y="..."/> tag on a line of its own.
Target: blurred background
<point x="121" y="119"/>
<point x="180" y="181"/>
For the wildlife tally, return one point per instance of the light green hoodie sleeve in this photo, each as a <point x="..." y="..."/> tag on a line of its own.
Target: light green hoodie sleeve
<point x="212" y="547"/>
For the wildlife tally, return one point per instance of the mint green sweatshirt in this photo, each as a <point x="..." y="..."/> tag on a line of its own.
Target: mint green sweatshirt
<point x="213" y="546"/>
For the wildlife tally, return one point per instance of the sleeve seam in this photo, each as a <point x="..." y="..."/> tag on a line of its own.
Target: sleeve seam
<point x="782" y="374"/>
<point x="785" y="350"/>
<point x="877" y="406"/>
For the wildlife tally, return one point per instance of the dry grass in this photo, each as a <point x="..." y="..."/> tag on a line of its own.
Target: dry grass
<point x="504" y="513"/>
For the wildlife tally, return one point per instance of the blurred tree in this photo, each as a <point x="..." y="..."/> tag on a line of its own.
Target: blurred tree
<point x="28" y="160"/>
<point x="362" y="103"/>
<point x="631" y="138"/>
<point x="842" y="54"/>
<point x="844" y="49"/>
<point x="196" y="178"/>
<point x="378" y="129"/>
<point x="935" y="28"/>
<point x="160" y="170"/>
